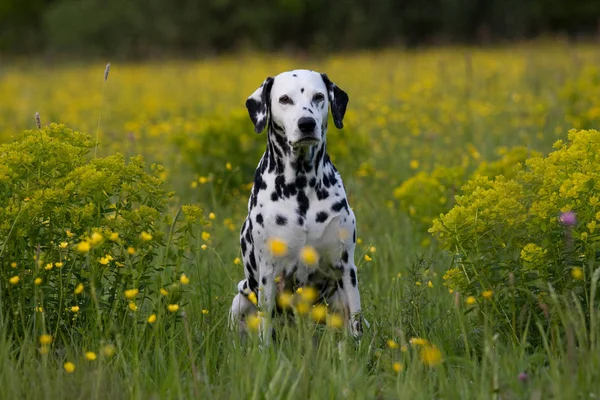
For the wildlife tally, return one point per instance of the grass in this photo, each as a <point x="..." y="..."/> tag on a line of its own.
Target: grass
<point x="408" y="112"/>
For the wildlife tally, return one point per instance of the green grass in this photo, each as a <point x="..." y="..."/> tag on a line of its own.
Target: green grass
<point x="192" y="354"/>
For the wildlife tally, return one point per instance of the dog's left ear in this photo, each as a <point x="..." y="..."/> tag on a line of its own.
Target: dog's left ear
<point x="259" y="105"/>
<point x="338" y="100"/>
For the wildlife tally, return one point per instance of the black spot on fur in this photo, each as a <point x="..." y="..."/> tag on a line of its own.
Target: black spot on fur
<point x="354" y="237"/>
<point x="303" y="203"/>
<point x="300" y="221"/>
<point x="340" y="284"/>
<point x="322" y="194"/>
<point x="337" y="207"/>
<point x="274" y="196"/>
<point x="264" y="280"/>
<point x="313" y="182"/>
<point x="259" y="220"/>
<point x="243" y="245"/>
<point x="322" y="216"/>
<point x="353" y="277"/>
<point x="302" y="90"/>
<point x="326" y="181"/>
<point x="252" y="260"/>
<point x="295" y="76"/>
<point x="281" y="220"/>
<point x="253" y="283"/>
<point x="301" y="182"/>
<point x="345" y="256"/>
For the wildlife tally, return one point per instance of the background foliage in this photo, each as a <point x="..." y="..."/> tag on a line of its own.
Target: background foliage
<point x="140" y="28"/>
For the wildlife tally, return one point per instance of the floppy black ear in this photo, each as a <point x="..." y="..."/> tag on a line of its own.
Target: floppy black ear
<point x="338" y="100"/>
<point x="259" y="105"/>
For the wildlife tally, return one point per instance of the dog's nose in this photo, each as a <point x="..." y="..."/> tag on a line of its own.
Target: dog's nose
<point x="307" y="124"/>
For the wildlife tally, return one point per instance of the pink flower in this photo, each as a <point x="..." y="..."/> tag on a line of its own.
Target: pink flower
<point x="523" y="377"/>
<point x="568" y="218"/>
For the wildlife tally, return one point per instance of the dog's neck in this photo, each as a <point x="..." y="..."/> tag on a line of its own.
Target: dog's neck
<point x="292" y="161"/>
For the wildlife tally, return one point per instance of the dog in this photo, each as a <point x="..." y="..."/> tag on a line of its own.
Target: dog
<point x="297" y="197"/>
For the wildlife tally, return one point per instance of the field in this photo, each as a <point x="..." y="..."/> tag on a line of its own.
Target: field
<point x="122" y="290"/>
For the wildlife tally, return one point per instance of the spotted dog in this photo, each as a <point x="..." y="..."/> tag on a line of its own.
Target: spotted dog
<point x="297" y="197"/>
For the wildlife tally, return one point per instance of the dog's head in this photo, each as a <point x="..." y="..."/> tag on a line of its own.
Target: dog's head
<point x="297" y="102"/>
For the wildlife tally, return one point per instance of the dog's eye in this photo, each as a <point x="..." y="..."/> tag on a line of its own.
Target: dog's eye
<point x="285" y="100"/>
<point x="318" y="97"/>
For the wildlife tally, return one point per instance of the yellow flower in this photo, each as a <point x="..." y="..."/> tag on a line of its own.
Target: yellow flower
<point x="58" y="264"/>
<point x="131" y="293"/>
<point x="45" y="339"/>
<point x="284" y="300"/>
<point x="204" y="247"/>
<point x="38" y="281"/>
<point x="397" y="367"/>
<point x="319" y="313"/>
<point x="487" y="294"/>
<point x="96" y="238"/>
<point x="237" y="261"/>
<point x="114" y="236"/>
<point x="414" y="164"/>
<point x="75" y="309"/>
<point x="69" y="233"/>
<point x="13" y="264"/>
<point x="418" y="341"/>
<point x="335" y="321"/>
<point x="302" y="308"/>
<point x="309" y="256"/>
<point x="14" y="280"/>
<point x="308" y="294"/>
<point x="63" y="245"/>
<point x="205" y="312"/>
<point x="212" y="215"/>
<point x="253" y="322"/>
<point x="203" y="180"/>
<point x="152" y="319"/>
<point x="146" y="237"/>
<point x="184" y="279"/>
<point x="430" y="355"/>
<point x="83" y="247"/>
<point x="205" y="236"/>
<point x="391" y="344"/>
<point x="104" y="261"/>
<point x="131" y="250"/>
<point x="252" y="298"/>
<point x="372" y="249"/>
<point x="49" y="266"/>
<point x="163" y="291"/>
<point x="471" y="300"/>
<point x="418" y="283"/>
<point x="78" y="289"/>
<point x="173" y="307"/>
<point x="132" y="306"/>
<point x="277" y="247"/>
<point x="90" y="355"/>
<point x="367" y="258"/>
<point x="194" y="185"/>
<point x="430" y="284"/>
<point x="228" y="166"/>
<point x="108" y="350"/>
<point x="69" y="367"/>
<point x="577" y="273"/>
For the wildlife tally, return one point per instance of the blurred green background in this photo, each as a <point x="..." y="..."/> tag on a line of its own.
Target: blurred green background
<point x="153" y="28"/>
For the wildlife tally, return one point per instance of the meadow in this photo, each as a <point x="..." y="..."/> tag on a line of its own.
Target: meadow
<point x="117" y="273"/>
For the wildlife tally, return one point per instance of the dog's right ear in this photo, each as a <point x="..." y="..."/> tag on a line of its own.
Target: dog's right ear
<point x="259" y="105"/>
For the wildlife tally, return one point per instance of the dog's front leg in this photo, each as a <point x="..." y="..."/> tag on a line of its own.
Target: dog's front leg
<point x="266" y="303"/>
<point x="353" y="297"/>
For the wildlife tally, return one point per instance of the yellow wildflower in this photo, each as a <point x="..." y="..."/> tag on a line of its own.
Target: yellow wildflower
<point x="90" y="355"/>
<point x="253" y="322"/>
<point x="212" y="215"/>
<point x="471" y="300"/>
<point x="96" y="238"/>
<point x="58" y="264"/>
<point x="163" y="291"/>
<point x="277" y="247"/>
<point x="367" y="258"/>
<point x="284" y="300"/>
<point x="430" y="355"/>
<point x="392" y="344"/>
<point x="114" y="236"/>
<point x="131" y="293"/>
<point x="418" y="341"/>
<point x="430" y="284"/>
<point x="237" y="261"/>
<point x="108" y="350"/>
<point x="69" y="367"/>
<point x="83" y="247"/>
<point x="309" y="256"/>
<point x="152" y="318"/>
<point x="397" y="367"/>
<point x="131" y="250"/>
<point x="63" y="245"/>
<point x="335" y="321"/>
<point x="487" y="294"/>
<point x="45" y="339"/>
<point x="184" y="279"/>
<point x="319" y="313"/>
<point x="14" y="280"/>
<point x="146" y="237"/>
<point x="173" y="307"/>
<point x="205" y="236"/>
<point x="13" y="264"/>
<point x="203" y="180"/>
<point x="104" y="261"/>
<point x="577" y="273"/>
<point x="37" y="281"/>
<point x="49" y="266"/>
<point x="205" y="312"/>
<point x="75" y="309"/>
<point x="228" y="166"/>
<point x="308" y="294"/>
<point x="78" y="288"/>
<point x="132" y="306"/>
<point x="204" y="247"/>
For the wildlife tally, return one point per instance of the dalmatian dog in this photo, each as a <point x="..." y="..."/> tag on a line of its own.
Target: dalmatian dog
<point x="298" y="197"/>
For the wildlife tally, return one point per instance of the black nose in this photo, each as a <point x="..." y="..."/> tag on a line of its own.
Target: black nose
<point x="307" y="124"/>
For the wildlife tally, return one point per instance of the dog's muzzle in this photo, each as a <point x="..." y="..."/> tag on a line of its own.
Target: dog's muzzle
<point x="307" y="126"/>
